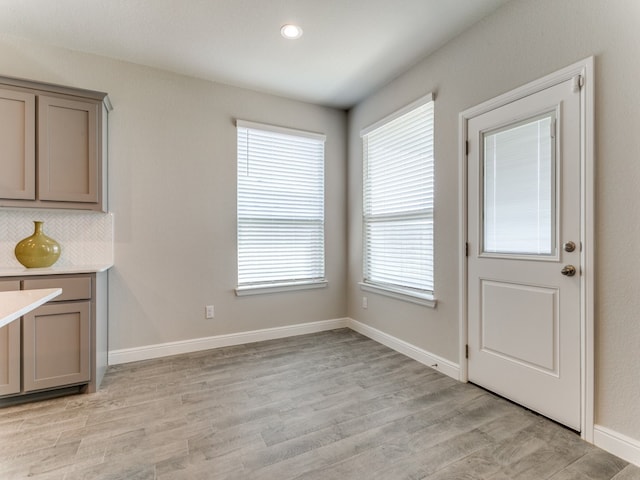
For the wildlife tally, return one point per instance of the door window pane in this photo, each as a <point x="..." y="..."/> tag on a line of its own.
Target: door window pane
<point x="519" y="188"/>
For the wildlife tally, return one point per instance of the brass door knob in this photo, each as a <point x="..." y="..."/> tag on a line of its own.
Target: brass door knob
<point x="568" y="271"/>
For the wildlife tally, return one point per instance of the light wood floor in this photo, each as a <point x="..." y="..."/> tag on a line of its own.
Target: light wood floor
<point x="333" y="405"/>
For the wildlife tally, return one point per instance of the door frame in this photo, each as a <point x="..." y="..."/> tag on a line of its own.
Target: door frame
<point x="585" y="69"/>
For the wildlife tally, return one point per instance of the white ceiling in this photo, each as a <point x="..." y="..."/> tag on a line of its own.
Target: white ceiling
<point x="349" y="48"/>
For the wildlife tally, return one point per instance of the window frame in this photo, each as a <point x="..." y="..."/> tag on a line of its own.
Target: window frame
<point x="424" y="297"/>
<point x="290" y="284"/>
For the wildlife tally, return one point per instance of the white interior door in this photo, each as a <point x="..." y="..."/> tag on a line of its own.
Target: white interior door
<point x="524" y="272"/>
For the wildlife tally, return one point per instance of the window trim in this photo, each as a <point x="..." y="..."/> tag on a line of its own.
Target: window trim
<point x="405" y="294"/>
<point x="410" y="295"/>
<point x="247" y="290"/>
<point x="429" y="97"/>
<point x="284" y="130"/>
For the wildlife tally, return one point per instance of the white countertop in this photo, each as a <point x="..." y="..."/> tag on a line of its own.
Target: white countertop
<point x="15" y="304"/>
<point x="54" y="270"/>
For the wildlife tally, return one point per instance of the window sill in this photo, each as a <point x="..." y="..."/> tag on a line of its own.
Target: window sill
<point x="406" y="295"/>
<point x="279" y="288"/>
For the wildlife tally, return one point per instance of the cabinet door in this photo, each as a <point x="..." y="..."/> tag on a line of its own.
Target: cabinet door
<point x="67" y="150"/>
<point x="56" y="345"/>
<point x="10" y="349"/>
<point x="17" y="145"/>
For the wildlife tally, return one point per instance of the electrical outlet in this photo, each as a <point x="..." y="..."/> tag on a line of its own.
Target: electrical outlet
<point x="365" y="302"/>
<point x="209" y="312"/>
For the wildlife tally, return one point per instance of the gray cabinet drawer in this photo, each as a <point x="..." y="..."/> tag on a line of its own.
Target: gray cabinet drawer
<point x="73" y="288"/>
<point x="9" y="285"/>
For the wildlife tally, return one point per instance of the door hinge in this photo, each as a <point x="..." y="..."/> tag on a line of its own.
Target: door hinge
<point x="466" y="249"/>
<point x="577" y="83"/>
<point x="466" y="351"/>
<point x="466" y="147"/>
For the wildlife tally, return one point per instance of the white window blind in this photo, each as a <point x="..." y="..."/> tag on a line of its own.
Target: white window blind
<point x="280" y="206"/>
<point x="398" y="200"/>
<point x="519" y="188"/>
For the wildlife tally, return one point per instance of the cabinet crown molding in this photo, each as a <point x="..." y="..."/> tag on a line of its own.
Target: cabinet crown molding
<point x="9" y="82"/>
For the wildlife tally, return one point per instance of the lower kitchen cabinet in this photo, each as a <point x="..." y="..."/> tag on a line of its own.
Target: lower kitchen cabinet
<point x="56" y="345"/>
<point x="61" y="344"/>
<point x="10" y="349"/>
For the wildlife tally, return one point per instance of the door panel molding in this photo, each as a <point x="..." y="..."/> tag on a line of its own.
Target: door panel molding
<point x="497" y="339"/>
<point x="582" y="74"/>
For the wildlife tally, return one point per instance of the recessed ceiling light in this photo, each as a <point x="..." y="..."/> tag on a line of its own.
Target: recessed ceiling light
<point x="291" y="31"/>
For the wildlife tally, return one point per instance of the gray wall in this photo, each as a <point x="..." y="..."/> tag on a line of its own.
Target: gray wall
<point x="522" y="41"/>
<point x="172" y="178"/>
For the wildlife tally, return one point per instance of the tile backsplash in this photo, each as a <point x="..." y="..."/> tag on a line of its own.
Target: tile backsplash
<point x="85" y="238"/>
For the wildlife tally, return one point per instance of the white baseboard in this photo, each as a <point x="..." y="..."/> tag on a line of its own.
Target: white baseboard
<point x="618" y="444"/>
<point x="427" y="358"/>
<point x="148" y="352"/>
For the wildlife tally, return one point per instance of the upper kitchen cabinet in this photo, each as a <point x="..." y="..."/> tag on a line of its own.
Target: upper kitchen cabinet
<point x="18" y="142"/>
<point x="67" y="150"/>
<point x="53" y="146"/>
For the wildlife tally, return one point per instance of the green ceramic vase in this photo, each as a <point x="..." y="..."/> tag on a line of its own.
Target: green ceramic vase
<point x="38" y="250"/>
